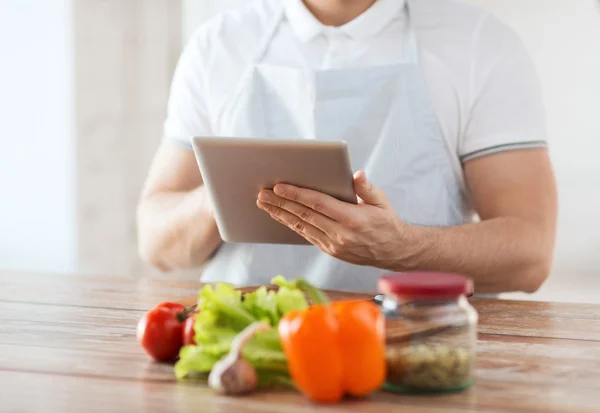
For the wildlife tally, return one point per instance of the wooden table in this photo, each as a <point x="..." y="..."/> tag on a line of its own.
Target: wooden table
<point x="67" y="344"/>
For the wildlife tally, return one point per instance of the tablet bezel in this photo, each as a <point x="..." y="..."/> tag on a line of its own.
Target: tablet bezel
<point x="234" y="170"/>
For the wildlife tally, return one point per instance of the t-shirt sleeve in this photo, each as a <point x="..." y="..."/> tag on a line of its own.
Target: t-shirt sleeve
<point x="506" y="109"/>
<point x="187" y="109"/>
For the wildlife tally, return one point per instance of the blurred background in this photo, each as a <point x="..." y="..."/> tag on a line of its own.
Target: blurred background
<point x="83" y="91"/>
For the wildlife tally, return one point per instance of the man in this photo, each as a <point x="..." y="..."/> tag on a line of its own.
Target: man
<point x="440" y="105"/>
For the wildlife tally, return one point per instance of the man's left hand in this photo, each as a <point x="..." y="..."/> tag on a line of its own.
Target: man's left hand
<point x="368" y="233"/>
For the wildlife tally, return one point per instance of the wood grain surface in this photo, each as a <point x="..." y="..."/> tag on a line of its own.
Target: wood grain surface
<point x="67" y="344"/>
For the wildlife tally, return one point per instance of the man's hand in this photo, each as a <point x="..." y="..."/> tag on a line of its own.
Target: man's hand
<point x="509" y="250"/>
<point x="366" y="234"/>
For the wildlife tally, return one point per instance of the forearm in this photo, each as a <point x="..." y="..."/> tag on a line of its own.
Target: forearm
<point x="502" y="254"/>
<point x="177" y="229"/>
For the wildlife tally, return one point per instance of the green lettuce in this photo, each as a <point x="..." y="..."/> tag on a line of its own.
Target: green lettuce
<point x="262" y="304"/>
<point x="223" y="313"/>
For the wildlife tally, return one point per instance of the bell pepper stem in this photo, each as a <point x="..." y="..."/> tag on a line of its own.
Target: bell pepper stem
<point x="316" y="295"/>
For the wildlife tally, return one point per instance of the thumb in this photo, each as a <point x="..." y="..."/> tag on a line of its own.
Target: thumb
<point x="368" y="192"/>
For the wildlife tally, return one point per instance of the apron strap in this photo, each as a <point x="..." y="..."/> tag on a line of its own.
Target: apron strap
<point x="268" y="36"/>
<point x="410" y="47"/>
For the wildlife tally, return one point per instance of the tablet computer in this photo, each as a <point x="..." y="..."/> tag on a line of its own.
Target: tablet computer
<point x="235" y="170"/>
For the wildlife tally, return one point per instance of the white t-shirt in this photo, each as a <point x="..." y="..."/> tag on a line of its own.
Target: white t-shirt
<point x="482" y="83"/>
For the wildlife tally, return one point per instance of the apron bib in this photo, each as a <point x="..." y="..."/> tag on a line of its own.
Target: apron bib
<point x="384" y="115"/>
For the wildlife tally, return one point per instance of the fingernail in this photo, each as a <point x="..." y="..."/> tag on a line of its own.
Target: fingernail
<point x="278" y="189"/>
<point x="263" y="196"/>
<point x="263" y="206"/>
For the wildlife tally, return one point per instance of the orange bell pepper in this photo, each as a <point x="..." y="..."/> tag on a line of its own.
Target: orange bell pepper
<point x="335" y="349"/>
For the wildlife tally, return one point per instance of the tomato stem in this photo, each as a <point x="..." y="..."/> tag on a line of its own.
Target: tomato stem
<point x="181" y="317"/>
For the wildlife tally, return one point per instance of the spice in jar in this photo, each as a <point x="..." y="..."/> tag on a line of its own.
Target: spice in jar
<point x="425" y="367"/>
<point x="435" y="350"/>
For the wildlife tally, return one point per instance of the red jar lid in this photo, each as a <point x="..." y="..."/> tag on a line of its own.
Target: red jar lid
<point x="426" y="285"/>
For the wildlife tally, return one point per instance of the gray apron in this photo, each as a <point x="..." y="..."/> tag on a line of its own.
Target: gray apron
<point x="384" y="115"/>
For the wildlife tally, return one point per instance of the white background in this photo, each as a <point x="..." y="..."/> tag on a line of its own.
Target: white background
<point x="38" y="176"/>
<point x="37" y="165"/>
<point x="83" y="91"/>
<point x="563" y="37"/>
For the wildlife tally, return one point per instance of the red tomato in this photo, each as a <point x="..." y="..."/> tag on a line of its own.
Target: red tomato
<point x="188" y="331"/>
<point x="160" y="332"/>
<point x="171" y="306"/>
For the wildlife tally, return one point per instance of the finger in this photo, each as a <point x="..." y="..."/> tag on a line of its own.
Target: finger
<point x="307" y="237"/>
<point x="368" y="192"/>
<point x="303" y="212"/>
<point x="317" y="201"/>
<point x="292" y="221"/>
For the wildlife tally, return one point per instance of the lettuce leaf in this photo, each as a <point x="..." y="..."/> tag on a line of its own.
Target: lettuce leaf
<point x="289" y="300"/>
<point x="223" y="313"/>
<point x="226" y="303"/>
<point x="302" y="286"/>
<point x="262" y="304"/>
<point x="194" y="359"/>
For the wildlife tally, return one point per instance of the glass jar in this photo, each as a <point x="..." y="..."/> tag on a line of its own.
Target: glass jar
<point x="431" y="332"/>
